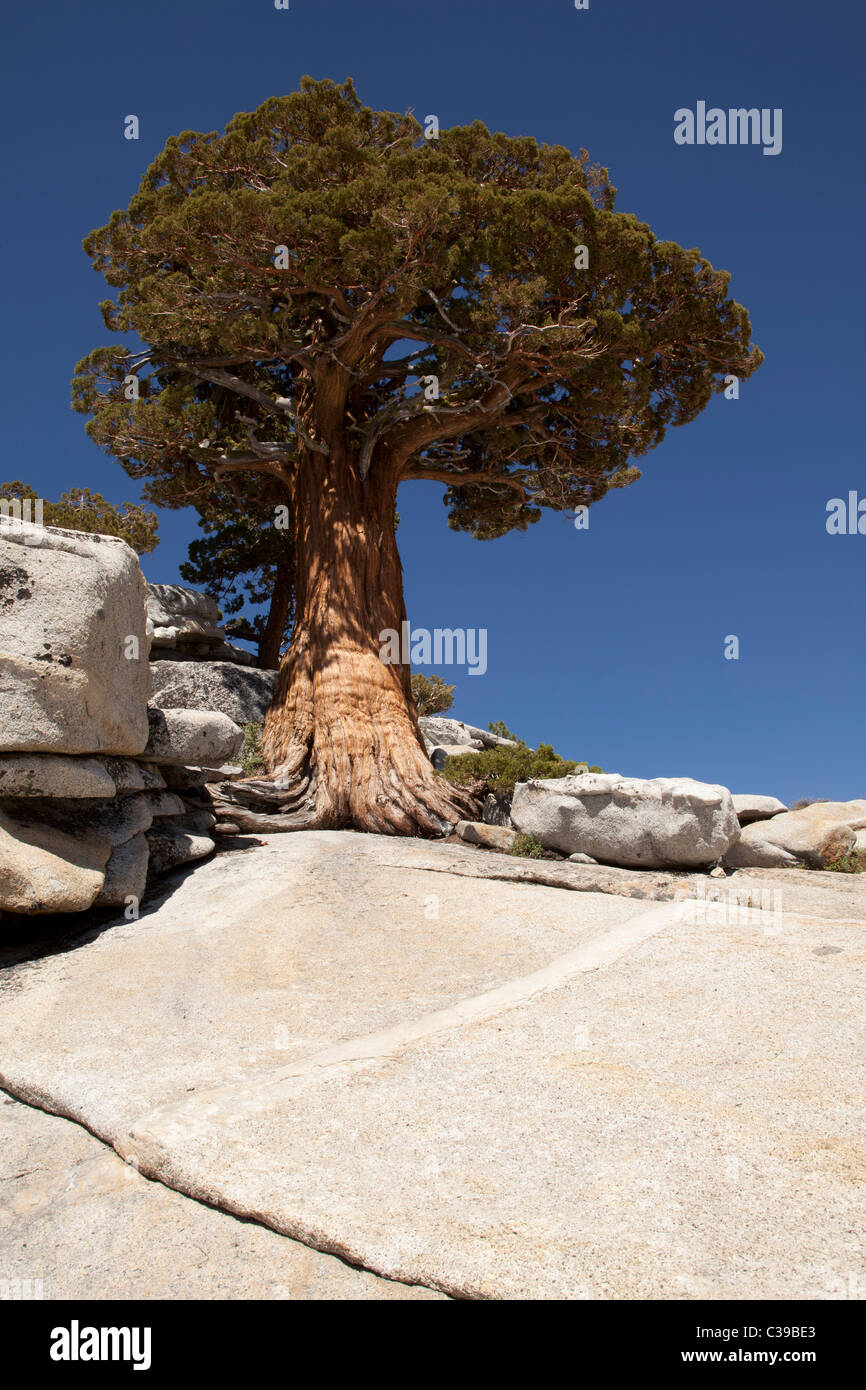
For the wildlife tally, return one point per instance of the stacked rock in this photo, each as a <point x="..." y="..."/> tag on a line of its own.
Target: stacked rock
<point x="192" y="664"/>
<point x="186" y="627"/>
<point x="86" y="808"/>
<point x="449" y="738"/>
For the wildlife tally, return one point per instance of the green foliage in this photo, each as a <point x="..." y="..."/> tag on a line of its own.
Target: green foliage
<point x="551" y="377"/>
<point x="243" y="559"/>
<point x="501" y="728"/>
<point x="527" y="847"/>
<point x="251" y="759"/>
<point x="83" y="510"/>
<point x="853" y="862"/>
<point x="431" y="694"/>
<point x="501" y="768"/>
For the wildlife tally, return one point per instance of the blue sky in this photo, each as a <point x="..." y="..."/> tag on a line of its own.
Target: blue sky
<point x="608" y="642"/>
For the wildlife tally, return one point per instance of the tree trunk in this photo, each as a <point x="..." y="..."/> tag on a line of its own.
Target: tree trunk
<point x="341" y="738"/>
<point x="271" y="641"/>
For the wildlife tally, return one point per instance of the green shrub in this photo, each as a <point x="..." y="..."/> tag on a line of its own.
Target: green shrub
<point x="527" y="847"/>
<point x="498" y="769"/>
<point x="854" y="862"/>
<point x="502" y="729"/>
<point x="431" y="694"/>
<point x="251" y="759"/>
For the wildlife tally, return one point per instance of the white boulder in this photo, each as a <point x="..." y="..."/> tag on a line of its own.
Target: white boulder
<point x="664" y="822"/>
<point x="758" y="854"/>
<point x="817" y="833"/>
<point x="74" y="675"/>
<point x="43" y="869"/>
<point x="192" y="737"/>
<point x="439" y="731"/>
<point x="752" y="808"/>
<point x="488" y="836"/>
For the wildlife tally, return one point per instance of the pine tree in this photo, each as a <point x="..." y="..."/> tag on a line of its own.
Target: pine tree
<point x="242" y="558"/>
<point x="432" y="695"/>
<point x="83" y="510"/>
<point x="332" y="303"/>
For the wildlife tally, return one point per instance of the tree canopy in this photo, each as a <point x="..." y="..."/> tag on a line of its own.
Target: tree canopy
<point x="404" y="258"/>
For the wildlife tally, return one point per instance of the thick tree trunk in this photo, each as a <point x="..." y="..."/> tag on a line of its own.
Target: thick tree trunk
<point x="271" y="642"/>
<point x="341" y="738"/>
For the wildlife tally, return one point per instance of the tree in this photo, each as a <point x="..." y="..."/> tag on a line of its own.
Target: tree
<point x="243" y="558"/>
<point x="329" y="301"/>
<point x="431" y="694"/>
<point x="83" y="510"/>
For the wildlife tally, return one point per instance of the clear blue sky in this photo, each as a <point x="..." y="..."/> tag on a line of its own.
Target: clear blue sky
<point x="609" y="642"/>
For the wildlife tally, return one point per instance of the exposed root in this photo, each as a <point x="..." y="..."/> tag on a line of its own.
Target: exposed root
<point x="419" y="802"/>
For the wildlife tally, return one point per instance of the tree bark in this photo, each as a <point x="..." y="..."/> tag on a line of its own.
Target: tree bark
<point x="271" y="641"/>
<point x="341" y="738"/>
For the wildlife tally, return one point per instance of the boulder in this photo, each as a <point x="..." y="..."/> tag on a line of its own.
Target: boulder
<point x="490" y="836"/>
<point x="752" y="808"/>
<point x="130" y="776"/>
<point x="195" y="779"/>
<point x="171" y="845"/>
<point x="58" y="776"/>
<point x="200" y="651"/>
<point x="163" y="803"/>
<point x="758" y="854"/>
<point x="186" y="625"/>
<point x="53" y="775"/>
<point x="74" y="675"/>
<point x="116" y="821"/>
<point x="229" y="772"/>
<point x="185" y="779"/>
<point x="43" y="869"/>
<point x="195" y="822"/>
<point x="441" y="732"/>
<point x="446" y="733"/>
<point x="184" y="610"/>
<point x="666" y="822"/>
<point x="239" y="692"/>
<point x="817" y="833"/>
<point x="227" y="651"/>
<point x="191" y="737"/>
<point x="65" y="848"/>
<point x="125" y="873"/>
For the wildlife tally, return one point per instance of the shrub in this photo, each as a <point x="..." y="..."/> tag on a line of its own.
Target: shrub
<point x="527" y="847"/>
<point x="502" y="729"/>
<point x="497" y="770"/>
<point x="431" y="694"/>
<point x="852" y="862"/>
<point x="251" y="759"/>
